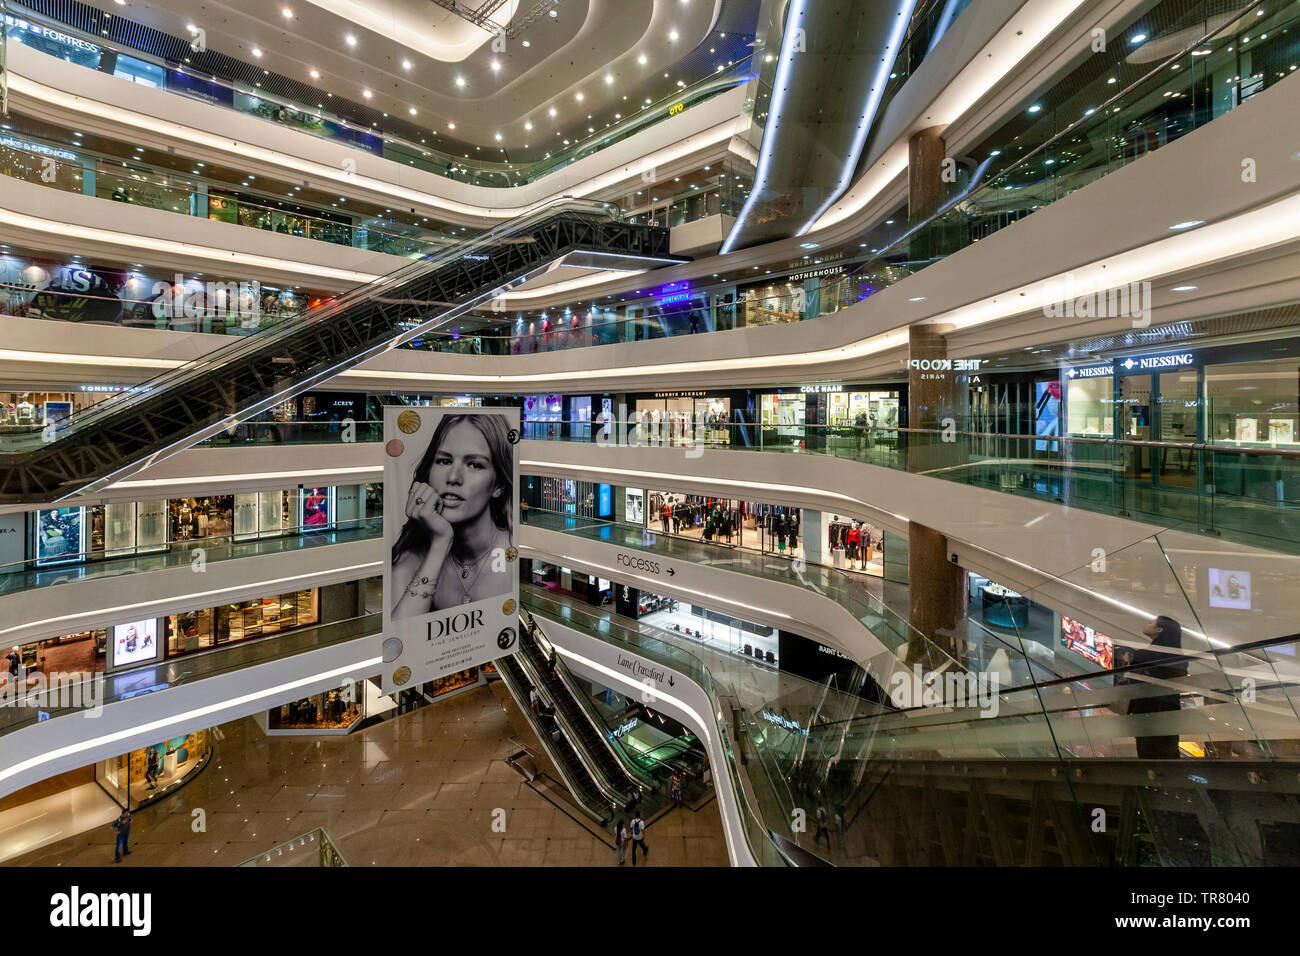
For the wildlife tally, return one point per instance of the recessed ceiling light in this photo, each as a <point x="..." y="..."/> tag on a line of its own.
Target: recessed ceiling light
<point x="498" y="137"/>
<point x="1035" y="108"/>
<point x="366" y="94"/>
<point x="496" y="66"/>
<point x="1189" y="224"/>
<point x="528" y="125"/>
<point x="609" y="78"/>
<point x="1184" y="288"/>
<point x="672" y="35"/>
<point x="288" y="14"/>
<point x="411" y="110"/>
<point x="527" y="43"/>
<point x="451" y="126"/>
<point x="641" y="59"/>
<point x="551" y="111"/>
<point x="352" y="41"/>
<point x="578" y="97"/>
<point x="256" y="51"/>
<point x="406" y="64"/>
<point x="917" y="298"/>
<point x="315" y="74"/>
<point x="1137" y="39"/>
<point x="460" y="81"/>
<point x="552" y="14"/>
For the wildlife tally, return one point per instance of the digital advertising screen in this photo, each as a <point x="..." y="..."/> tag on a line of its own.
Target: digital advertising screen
<point x="451" y="518"/>
<point x="1087" y="642"/>
<point x="1230" y="589"/>
<point x="135" y="643"/>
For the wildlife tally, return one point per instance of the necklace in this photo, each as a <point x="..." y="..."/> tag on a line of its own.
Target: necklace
<point x="466" y="580"/>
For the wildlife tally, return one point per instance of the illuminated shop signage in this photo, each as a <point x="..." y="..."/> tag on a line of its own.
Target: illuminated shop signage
<point x="624" y="727"/>
<point x="945" y="365"/>
<point x="783" y="722"/>
<point x="1147" y="362"/>
<point x="675" y="292"/>
<point x="698" y="394"/>
<point x="816" y="273"/>
<point x="819" y="389"/>
<point x="49" y="34"/>
<point x="1090" y="371"/>
<point x="14" y="143"/>
<point x="676" y="108"/>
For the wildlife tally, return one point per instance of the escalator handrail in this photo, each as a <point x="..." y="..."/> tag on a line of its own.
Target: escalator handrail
<point x="366" y="291"/>
<point x="630" y="772"/>
<point x="572" y="734"/>
<point x="580" y="793"/>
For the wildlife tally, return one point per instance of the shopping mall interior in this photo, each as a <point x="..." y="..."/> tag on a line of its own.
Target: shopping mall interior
<point x="516" y="433"/>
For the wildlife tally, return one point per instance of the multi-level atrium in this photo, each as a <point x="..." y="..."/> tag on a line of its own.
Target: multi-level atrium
<point x="525" y="432"/>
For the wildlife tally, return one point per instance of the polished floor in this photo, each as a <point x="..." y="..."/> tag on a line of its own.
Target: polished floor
<point x="418" y="790"/>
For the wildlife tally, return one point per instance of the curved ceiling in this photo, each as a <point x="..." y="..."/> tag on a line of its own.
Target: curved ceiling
<point x="505" y="96"/>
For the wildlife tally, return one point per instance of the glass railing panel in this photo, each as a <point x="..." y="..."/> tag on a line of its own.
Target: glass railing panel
<point x="29" y="574"/>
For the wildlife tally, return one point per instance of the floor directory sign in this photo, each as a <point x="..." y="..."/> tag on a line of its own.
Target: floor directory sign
<point x="451" y="514"/>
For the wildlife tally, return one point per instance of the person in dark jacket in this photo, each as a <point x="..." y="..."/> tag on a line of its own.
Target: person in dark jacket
<point x="122" y="826"/>
<point x="1155" y="663"/>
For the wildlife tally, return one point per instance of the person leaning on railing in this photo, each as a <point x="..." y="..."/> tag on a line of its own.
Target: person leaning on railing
<point x="1156" y="664"/>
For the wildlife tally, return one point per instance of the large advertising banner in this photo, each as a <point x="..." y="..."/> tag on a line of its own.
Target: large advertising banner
<point x="451" y="514"/>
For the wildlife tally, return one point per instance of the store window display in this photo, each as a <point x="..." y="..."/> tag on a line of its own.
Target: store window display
<point x="856" y="545"/>
<point x="148" y="773"/>
<point x="333" y="710"/>
<point x="193" y="631"/>
<point x="201" y="517"/>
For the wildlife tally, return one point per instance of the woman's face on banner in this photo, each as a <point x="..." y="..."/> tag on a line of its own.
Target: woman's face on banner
<point x="462" y="474"/>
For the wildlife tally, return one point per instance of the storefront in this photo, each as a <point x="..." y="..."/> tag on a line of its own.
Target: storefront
<point x="832" y="415"/>
<point x="334" y="711"/>
<point x="543" y="416"/>
<point x="802" y="295"/>
<point x="201" y="630"/>
<point x="1242" y="395"/>
<point x="676" y="417"/>
<point x="773" y="529"/>
<point x="570" y="497"/>
<point x="208" y="517"/>
<point x="127" y="778"/>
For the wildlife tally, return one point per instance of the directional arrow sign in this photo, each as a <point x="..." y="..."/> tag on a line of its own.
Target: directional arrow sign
<point x="671" y="572"/>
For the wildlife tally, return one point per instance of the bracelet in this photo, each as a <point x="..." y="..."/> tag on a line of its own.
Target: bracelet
<point x="419" y="594"/>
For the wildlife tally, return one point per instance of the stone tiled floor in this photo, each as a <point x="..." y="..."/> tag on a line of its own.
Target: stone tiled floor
<point x="418" y="790"/>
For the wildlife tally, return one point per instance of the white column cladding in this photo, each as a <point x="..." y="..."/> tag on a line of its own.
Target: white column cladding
<point x="812" y="534"/>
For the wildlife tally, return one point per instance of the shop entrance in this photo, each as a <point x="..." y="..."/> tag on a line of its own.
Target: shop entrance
<point x="1161" y="407"/>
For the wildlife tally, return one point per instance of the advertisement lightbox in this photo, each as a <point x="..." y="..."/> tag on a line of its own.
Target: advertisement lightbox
<point x="451" y="514"/>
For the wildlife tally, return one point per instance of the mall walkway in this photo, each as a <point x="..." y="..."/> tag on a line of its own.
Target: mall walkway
<point x="418" y="790"/>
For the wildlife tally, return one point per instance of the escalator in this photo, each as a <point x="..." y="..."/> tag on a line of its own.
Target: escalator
<point x="616" y="772"/>
<point x="198" y="399"/>
<point x="558" y="747"/>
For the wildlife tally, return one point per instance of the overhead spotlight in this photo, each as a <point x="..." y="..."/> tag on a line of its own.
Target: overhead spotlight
<point x="672" y="35"/>
<point x="352" y="41"/>
<point x="288" y="14"/>
<point x="528" y="125"/>
<point x="1035" y="108"/>
<point x="1137" y="39"/>
<point x="460" y="82"/>
<point x="609" y="79"/>
<point x="256" y="51"/>
<point x="497" y="137"/>
<point x="315" y="74"/>
<point x="411" y="111"/>
<point x="451" y="126"/>
<point x="366" y="94"/>
<point x="641" y="59"/>
<point x="552" y="14"/>
<point x="551" y="111"/>
<point x="578" y="97"/>
<point x="527" y="43"/>
<point x="496" y="66"/>
<point x="406" y="64"/>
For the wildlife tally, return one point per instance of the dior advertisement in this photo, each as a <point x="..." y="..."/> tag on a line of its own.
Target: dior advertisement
<point x="451" y="510"/>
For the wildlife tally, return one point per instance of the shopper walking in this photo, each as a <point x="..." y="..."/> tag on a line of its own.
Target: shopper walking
<point x="638" y="837"/>
<point x="620" y="841"/>
<point x="122" y="826"/>
<point x="523" y="510"/>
